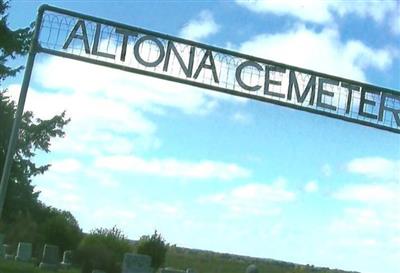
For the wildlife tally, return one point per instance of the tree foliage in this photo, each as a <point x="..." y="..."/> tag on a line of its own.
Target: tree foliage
<point x="13" y="43"/>
<point x="60" y="228"/>
<point x="103" y="249"/>
<point x="34" y="135"/>
<point x="48" y="226"/>
<point x="24" y="217"/>
<point x="155" y="247"/>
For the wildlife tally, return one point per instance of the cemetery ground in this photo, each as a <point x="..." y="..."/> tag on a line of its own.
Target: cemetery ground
<point x="198" y="260"/>
<point x="7" y="266"/>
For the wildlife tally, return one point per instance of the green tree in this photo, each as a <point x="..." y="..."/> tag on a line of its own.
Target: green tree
<point x="103" y="249"/>
<point x="13" y="43"/>
<point x="155" y="247"/>
<point x="24" y="217"/>
<point x="50" y="225"/>
<point x="60" y="228"/>
<point x="34" y="135"/>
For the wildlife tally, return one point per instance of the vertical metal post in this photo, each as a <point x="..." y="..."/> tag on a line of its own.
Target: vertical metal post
<point x="14" y="132"/>
<point x="5" y="176"/>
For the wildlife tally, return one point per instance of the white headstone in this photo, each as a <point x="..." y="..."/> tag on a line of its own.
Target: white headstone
<point x="7" y="252"/>
<point x="50" y="258"/>
<point x="171" y="270"/>
<point x="252" y="269"/>
<point x="135" y="263"/>
<point x="2" y="250"/>
<point x="24" y="252"/>
<point x="67" y="259"/>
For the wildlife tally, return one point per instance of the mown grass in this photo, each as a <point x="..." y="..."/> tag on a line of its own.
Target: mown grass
<point x="7" y="266"/>
<point x="210" y="262"/>
<point x="200" y="262"/>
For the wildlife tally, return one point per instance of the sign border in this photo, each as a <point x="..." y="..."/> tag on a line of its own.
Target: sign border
<point x="39" y="49"/>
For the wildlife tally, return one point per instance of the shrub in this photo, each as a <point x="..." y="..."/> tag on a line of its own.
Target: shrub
<point x="103" y="249"/>
<point x="47" y="225"/>
<point x="24" y="229"/>
<point x="154" y="246"/>
<point x="61" y="229"/>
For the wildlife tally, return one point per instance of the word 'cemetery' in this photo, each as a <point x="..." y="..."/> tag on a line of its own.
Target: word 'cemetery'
<point x="166" y="57"/>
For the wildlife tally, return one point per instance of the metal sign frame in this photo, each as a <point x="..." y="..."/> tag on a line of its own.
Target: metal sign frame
<point x="244" y="89"/>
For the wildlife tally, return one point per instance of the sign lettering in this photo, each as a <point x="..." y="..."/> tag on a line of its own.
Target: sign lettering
<point x="132" y="49"/>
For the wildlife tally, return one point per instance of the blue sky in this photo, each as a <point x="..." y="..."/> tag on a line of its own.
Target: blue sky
<point x="216" y="172"/>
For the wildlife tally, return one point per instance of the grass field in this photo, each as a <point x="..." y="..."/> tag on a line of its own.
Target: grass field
<point x="199" y="261"/>
<point x="18" y="267"/>
<point x="211" y="262"/>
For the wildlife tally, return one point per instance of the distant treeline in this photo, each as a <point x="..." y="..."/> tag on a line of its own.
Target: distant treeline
<point x="203" y="261"/>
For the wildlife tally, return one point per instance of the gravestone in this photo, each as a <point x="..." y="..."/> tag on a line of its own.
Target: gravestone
<point x="67" y="259"/>
<point x="252" y="269"/>
<point x="24" y="252"/>
<point x="8" y="252"/>
<point x="50" y="258"/>
<point x="136" y="263"/>
<point x="171" y="270"/>
<point x="2" y="250"/>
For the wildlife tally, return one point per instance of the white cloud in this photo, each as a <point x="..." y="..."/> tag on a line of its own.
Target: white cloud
<point x="119" y="216"/>
<point x="71" y="198"/>
<point x="109" y="108"/>
<point x="116" y="86"/>
<point x="98" y="125"/>
<point x="66" y="165"/>
<point x="311" y="187"/>
<point x="371" y="218"/>
<point x="67" y="186"/>
<point x="88" y="111"/>
<point x="395" y="22"/>
<point x="322" y="51"/>
<point x="396" y="240"/>
<point x="242" y="118"/>
<point x="354" y="218"/>
<point x="65" y="199"/>
<point x="314" y="11"/>
<point x="370" y="228"/>
<point x="370" y="193"/>
<point x="102" y="177"/>
<point x="110" y="115"/>
<point x="253" y="199"/>
<point x="322" y="12"/>
<point x="173" y="167"/>
<point x="370" y="222"/>
<point x="115" y="213"/>
<point x="376" y="167"/>
<point x="200" y="27"/>
<point x="162" y="209"/>
<point x="377" y="10"/>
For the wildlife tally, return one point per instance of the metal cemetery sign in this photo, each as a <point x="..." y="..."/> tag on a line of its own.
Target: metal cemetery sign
<point x="72" y="35"/>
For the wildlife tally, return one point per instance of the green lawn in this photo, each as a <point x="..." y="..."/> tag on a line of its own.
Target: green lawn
<point x="210" y="262"/>
<point x="199" y="261"/>
<point x="18" y="267"/>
